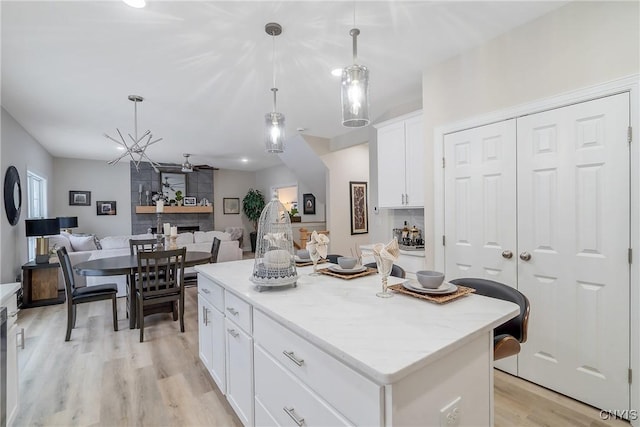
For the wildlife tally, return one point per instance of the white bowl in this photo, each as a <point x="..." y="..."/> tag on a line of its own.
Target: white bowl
<point x="429" y="279"/>
<point x="277" y="259"/>
<point x="347" y="262"/>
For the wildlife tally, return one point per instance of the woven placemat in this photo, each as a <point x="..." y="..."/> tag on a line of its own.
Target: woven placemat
<point x="306" y="263"/>
<point x="440" y="299"/>
<point x="367" y="272"/>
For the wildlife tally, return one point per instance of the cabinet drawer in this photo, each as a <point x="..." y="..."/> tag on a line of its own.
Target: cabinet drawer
<point x="354" y="396"/>
<point x="12" y="311"/>
<point x="238" y="310"/>
<point x="211" y="291"/>
<point x="286" y="399"/>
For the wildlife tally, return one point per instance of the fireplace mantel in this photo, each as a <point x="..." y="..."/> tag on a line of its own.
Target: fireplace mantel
<point x="175" y="209"/>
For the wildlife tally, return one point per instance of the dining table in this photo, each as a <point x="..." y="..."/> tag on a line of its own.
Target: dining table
<point x="127" y="265"/>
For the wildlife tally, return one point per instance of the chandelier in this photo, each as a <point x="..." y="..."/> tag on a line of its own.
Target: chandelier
<point x="137" y="147"/>
<point x="274" y="121"/>
<point x="355" y="88"/>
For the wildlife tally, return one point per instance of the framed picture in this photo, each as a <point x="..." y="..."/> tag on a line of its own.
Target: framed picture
<point x="190" y="201"/>
<point x="230" y="205"/>
<point x="80" y="198"/>
<point x="309" y="204"/>
<point x="106" y="208"/>
<point x="359" y="216"/>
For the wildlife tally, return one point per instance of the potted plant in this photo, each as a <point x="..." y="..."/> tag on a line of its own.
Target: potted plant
<point x="293" y="215"/>
<point x="179" y="197"/>
<point x="252" y="206"/>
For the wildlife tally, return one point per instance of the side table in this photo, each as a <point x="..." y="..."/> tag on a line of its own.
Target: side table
<point x="40" y="285"/>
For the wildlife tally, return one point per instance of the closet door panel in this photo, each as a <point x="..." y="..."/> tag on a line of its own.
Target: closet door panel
<point x="573" y="219"/>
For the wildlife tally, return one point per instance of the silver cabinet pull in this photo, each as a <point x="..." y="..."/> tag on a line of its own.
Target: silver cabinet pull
<point x="296" y="419"/>
<point x="507" y="254"/>
<point x="232" y="311"/>
<point x="403" y="198"/>
<point x="206" y="291"/>
<point x="205" y="318"/>
<point x="294" y="359"/>
<point x="525" y="256"/>
<point x="233" y="333"/>
<point x="406" y="199"/>
<point x="13" y="313"/>
<point x="21" y="335"/>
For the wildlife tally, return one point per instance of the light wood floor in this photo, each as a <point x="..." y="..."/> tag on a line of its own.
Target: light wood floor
<point x="107" y="378"/>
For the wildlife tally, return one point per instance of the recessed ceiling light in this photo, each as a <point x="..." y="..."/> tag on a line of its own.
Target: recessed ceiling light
<point x="135" y="3"/>
<point x="336" y="72"/>
<point x="119" y="147"/>
<point x="244" y="160"/>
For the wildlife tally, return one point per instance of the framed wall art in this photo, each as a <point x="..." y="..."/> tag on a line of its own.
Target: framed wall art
<point x="309" y="204"/>
<point x="190" y="201"/>
<point x="106" y="208"/>
<point x="79" y="198"/>
<point x="359" y="215"/>
<point x="231" y="206"/>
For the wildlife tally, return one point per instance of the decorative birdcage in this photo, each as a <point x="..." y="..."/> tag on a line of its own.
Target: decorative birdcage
<point x="274" y="263"/>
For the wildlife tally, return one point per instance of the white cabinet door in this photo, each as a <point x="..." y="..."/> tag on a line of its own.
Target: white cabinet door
<point x="573" y="219"/>
<point x="414" y="162"/>
<point x="205" y="335"/>
<point x="239" y="371"/>
<point x="12" y="374"/>
<point x="391" y="166"/>
<point x="211" y="334"/>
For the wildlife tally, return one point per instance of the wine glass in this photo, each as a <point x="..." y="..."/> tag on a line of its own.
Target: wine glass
<point x="384" y="269"/>
<point x="315" y="256"/>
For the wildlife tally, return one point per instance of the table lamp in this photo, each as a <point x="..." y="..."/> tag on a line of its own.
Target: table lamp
<point x="67" y="223"/>
<point x="40" y="228"/>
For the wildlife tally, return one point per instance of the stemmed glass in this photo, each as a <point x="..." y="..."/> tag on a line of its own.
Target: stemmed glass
<point x="315" y="256"/>
<point x="384" y="269"/>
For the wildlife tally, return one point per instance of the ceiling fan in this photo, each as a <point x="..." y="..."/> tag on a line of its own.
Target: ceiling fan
<point x="187" y="166"/>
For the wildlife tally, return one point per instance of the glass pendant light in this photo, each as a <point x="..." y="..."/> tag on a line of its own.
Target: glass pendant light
<point x="274" y="121"/>
<point x="355" y="88"/>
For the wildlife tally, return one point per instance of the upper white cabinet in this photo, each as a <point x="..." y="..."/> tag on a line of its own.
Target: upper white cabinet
<point x="401" y="162"/>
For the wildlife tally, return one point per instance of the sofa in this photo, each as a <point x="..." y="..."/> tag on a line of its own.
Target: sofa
<point x="88" y="247"/>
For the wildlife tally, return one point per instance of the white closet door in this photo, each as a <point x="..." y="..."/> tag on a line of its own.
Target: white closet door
<point x="480" y="203"/>
<point x="573" y="219"/>
<point x="480" y="207"/>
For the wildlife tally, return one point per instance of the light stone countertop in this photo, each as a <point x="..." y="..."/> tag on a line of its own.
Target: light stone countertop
<point x="417" y="253"/>
<point x="383" y="338"/>
<point x="7" y="290"/>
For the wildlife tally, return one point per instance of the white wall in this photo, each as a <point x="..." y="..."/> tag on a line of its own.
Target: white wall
<point x="21" y="150"/>
<point x="106" y="183"/>
<point x="282" y="176"/>
<point x="349" y="164"/>
<point x="235" y="184"/>
<point x="578" y="45"/>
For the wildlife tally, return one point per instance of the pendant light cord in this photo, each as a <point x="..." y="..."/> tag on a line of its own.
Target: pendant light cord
<point x="274" y="88"/>
<point x="135" y="119"/>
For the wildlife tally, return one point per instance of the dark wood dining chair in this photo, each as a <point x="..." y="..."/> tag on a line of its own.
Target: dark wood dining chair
<point x="191" y="279"/>
<point x="75" y="296"/>
<point x="508" y="336"/>
<point x="159" y="281"/>
<point x="135" y="246"/>
<point x="396" y="270"/>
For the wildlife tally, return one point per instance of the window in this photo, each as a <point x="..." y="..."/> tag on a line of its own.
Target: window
<point x="36" y="205"/>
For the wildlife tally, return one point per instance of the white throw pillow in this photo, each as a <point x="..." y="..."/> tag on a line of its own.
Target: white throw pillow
<point x="184" y="239"/>
<point x="116" y="242"/>
<point x="207" y="236"/>
<point x="60" y="240"/>
<point x="82" y="243"/>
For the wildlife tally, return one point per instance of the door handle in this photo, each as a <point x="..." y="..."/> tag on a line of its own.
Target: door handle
<point x="507" y="254"/>
<point x="525" y="256"/>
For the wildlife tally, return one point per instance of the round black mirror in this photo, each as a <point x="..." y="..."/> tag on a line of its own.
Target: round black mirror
<point x="12" y="195"/>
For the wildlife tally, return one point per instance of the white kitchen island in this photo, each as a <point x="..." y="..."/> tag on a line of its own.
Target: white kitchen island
<point x="329" y="352"/>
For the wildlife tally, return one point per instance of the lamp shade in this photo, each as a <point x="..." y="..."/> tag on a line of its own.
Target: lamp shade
<point x="42" y="227"/>
<point x="355" y="96"/>
<point x="274" y="132"/>
<point x="68" y="221"/>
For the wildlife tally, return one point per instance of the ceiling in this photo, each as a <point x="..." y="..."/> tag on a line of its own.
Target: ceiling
<point x="205" y="68"/>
